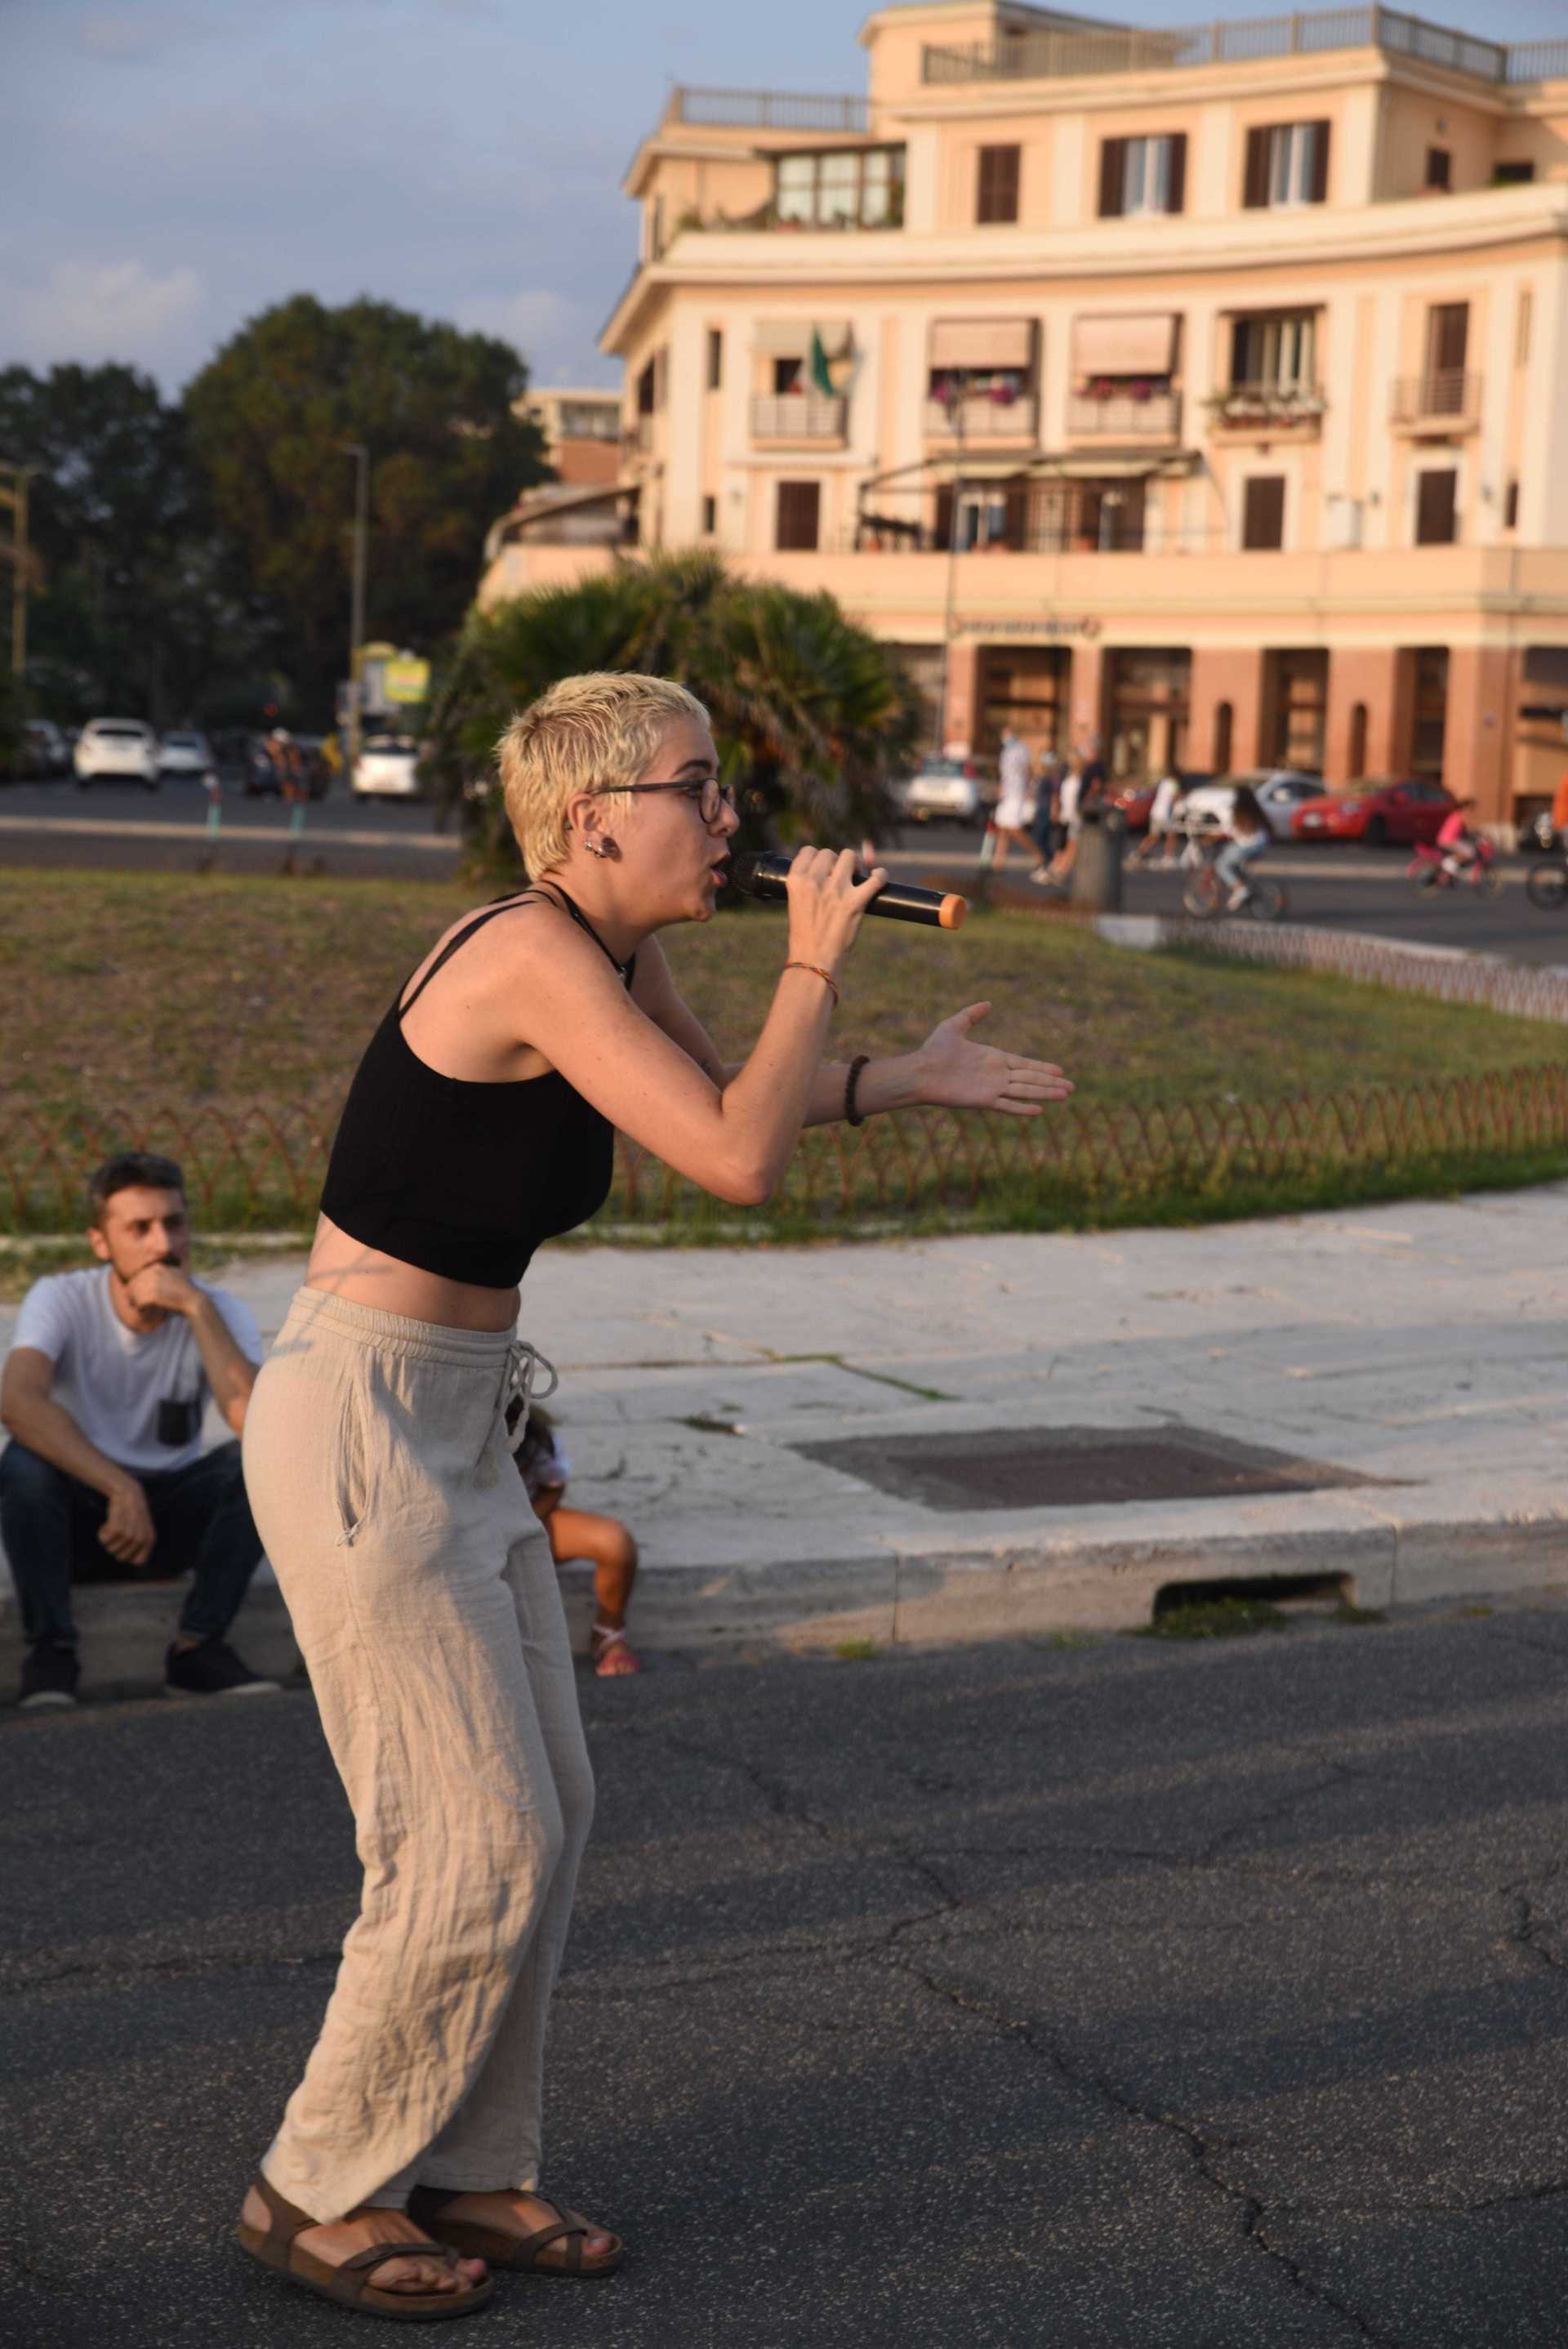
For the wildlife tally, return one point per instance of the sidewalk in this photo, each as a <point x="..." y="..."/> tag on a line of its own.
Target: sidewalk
<point x="1406" y="1366"/>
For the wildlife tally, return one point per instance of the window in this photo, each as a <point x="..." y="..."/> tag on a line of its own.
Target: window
<point x="1277" y="354"/>
<point x="1262" y="512"/>
<point x="1287" y="164"/>
<point x="1429" y="676"/>
<point x="1356" y="756"/>
<point x="1513" y="175"/>
<point x="1511" y="506"/>
<point x="715" y="358"/>
<point x="789" y="377"/>
<point x="1436" y="522"/>
<point x="859" y="187"/>
<point x="1440" y="167"/>
<point x="646" y="390"/>
<point x="997" y="193"/>
<point x="799" y="512"/>
<point x="1142" y="175"/>
<point x="1448" y="341"/>
<point x="1224" y="736"/>
<point x="710" y="516"/>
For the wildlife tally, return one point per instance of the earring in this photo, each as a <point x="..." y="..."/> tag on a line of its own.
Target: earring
<point x="601" y="848"/>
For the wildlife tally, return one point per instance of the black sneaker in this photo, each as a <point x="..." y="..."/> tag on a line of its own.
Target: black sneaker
<point x="48" y="1677"/>
<point x="212" y="1669"/>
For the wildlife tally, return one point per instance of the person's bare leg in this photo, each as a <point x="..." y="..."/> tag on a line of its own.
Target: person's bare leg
<point x="371" y="2223"/>
<point x="612" y="1551"/>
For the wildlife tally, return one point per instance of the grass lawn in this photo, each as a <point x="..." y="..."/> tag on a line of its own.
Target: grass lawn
<point x="142" y="1002"/>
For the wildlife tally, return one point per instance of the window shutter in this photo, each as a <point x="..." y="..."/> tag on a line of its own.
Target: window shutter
<point x="1319" y="194"/>
<point x="944" y="517"/>
<point x="996" y="192"/>
<point x="1017" y="515"/>
<point x="1239" y="351"/>
<point x="1262" y="516"/>
<point x="1178" y="184"/>
<point x="1435" y="509"/>
<point x="1255" y="189"/>
<point x="799" y="507"/>
<point x="1111" y="154"/>
<point x="1011" y="158"/>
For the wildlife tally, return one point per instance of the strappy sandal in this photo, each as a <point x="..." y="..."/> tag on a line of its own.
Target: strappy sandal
<point x="349" y="2284"/>
<point x="520" y="2253"/>
<point x="602" y="1638"/>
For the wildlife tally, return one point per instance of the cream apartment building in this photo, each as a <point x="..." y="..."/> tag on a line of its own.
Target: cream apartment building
<point x="1206" y="392"/>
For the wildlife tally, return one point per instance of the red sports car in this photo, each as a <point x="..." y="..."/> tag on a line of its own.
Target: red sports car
<point x="1376" y="812"/>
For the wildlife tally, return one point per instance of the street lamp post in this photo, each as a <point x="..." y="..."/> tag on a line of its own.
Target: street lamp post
<point x="361" y="455"/>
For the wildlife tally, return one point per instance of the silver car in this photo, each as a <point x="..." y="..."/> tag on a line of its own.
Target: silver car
<point x="946" y="790"/>
<point x="1280" y="791"/>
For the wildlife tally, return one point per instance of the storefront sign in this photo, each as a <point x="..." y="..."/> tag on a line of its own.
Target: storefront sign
<point x="1046" y="629"/>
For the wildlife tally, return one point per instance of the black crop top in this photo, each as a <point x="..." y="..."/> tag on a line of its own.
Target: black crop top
<point x="464" y="1179"/>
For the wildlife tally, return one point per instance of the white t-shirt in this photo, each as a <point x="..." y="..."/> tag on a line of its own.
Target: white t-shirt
<point x="1164" y="806"/>
<point x="1067" y="800"/>
<point x="1014" y="769"/>
<point x="111" y="1379"/>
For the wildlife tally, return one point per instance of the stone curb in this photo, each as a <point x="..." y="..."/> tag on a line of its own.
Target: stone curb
<point x="936" y="1598"/>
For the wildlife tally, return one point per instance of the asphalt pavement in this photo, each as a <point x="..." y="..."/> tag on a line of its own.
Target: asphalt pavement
<point x="1098" y="1995"/>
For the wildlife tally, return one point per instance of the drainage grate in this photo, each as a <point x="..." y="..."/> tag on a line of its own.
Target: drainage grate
<point x="1071" y="1467"/>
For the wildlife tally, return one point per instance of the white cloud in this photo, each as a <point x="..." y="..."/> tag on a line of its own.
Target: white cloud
<point x="101" y="310"/>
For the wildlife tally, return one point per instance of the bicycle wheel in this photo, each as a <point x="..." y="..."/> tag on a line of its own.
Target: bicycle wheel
<point x="1425" y="876"/>
<point x="1489" y="881"/>
<point x="1267" y="901"/>
<point x="1546" y="885"/>
<point x="1201" y="895"/>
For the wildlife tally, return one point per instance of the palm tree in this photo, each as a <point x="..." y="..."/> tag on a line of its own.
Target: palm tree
<point x="812" y="717"/>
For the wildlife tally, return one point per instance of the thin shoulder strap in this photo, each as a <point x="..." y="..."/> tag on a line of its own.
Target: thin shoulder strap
<point x="405" y="1005"/>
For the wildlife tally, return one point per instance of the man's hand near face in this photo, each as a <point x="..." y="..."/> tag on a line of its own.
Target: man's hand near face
<point x="163" y="1288"/>
<point x="128" y="1532"/>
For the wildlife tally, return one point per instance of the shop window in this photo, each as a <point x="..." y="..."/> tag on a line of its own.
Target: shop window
<point x="1429" y="710"/>
<point x="1296" y="698"/>
<point x="798" y="517"/>
<point x="1513" y="175"/>
<point x="1263" y="513"/>
<point x="1287" y="164"/>
<point x="1142" y="175"/>
<point x="996" y="195"/>
<point x="1437" y="521"/>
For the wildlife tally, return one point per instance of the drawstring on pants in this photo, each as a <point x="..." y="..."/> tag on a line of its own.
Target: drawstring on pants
<point x="523" y="1364"/>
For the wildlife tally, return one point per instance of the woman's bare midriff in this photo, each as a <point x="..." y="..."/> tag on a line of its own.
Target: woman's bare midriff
<point x="342" y="1267"/>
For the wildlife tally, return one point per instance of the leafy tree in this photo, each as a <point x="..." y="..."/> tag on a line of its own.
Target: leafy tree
<point x="133" y="613"/>
<point x="433" y="406"/>
<point x="811" y="715"/>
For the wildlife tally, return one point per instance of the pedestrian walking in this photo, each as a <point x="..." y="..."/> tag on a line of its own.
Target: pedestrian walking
<point x="1015" y="769"/>
<point x="1161" y="832"/>
<point x="481" y="1123"/>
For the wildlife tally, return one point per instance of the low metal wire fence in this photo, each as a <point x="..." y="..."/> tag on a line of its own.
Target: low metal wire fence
<point x="261" y="1169"/>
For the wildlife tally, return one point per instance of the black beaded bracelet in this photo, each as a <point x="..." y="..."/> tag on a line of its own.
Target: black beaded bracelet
<point x="851" y="1115"/>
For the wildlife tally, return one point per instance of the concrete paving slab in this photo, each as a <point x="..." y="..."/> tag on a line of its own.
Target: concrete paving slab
<point x="1423" y="1346"/>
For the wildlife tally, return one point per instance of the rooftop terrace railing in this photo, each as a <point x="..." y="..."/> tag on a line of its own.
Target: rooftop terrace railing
<point x="1048" y="55"/>
<point x="765" y="110"/>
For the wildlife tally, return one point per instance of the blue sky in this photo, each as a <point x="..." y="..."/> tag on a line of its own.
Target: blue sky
<point x="168" y="167"/>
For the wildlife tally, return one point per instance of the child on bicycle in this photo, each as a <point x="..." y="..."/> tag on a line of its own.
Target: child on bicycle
<point x="1456" y="841"/>
<point x="1248" y="837"/>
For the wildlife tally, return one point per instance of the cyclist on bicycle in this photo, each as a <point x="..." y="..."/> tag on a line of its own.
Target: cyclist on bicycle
<point x="1456" y="839"/>
<point x="1247" y="837"/>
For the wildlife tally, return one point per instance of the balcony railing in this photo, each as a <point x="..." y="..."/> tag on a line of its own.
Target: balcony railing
<point x="797" y="416"/>
<point x="1275" y="406"/>
<point x="638" y="437"/>
<point x="1126" y="415"/>
<point x="982" y="418"/>
<point x="1443" y="398"/>
<point x="1048" y="55"/>
<point x="765" y="110"/>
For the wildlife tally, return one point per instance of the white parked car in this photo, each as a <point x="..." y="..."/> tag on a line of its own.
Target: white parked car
<point x="386" y="768"/>
<point x="1280" y="790"/>
<point x="950" y="790"/>
<point x="121" y="748"/>
<point x="185" y="753"/>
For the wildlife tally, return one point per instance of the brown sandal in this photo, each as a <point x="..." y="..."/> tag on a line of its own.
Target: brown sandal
<point x="349" y="2284"/>
<point x="520" y="2253"/>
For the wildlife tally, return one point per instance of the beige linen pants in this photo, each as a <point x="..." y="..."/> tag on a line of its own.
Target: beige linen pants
<point x="427" y="1611"/>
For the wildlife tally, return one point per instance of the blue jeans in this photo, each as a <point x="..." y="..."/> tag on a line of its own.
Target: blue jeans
<point x="1236" y="854"/>
<point x="51" y="1522"/>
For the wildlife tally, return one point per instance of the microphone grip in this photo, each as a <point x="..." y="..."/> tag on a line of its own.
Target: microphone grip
<point x="895" y="900"/>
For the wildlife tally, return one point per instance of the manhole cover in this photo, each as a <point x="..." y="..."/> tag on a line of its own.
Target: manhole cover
<point x="1071" y="1467"/>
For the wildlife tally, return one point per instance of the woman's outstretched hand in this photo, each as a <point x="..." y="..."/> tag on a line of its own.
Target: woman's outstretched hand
<point x="957" y="1073"/>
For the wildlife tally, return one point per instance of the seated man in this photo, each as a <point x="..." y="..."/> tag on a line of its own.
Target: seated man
<point x="105" y="1387"/>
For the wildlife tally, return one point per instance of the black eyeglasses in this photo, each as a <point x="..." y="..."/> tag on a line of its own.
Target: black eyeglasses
<point x="709" y="797"/>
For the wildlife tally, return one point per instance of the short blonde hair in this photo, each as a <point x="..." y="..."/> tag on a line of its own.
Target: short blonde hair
<point x="604" y="728"/>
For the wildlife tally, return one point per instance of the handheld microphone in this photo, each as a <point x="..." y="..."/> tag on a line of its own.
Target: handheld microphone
<point x="896" y="901"/>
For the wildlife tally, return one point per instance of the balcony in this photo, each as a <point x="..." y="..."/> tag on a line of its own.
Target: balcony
<point x="799" y="418"/>
<point x="1443" y="401"/>
<point x="981" y="422"/>
<point x="1112" y="49"/>
<point x="637" y="440"/>
<point x="1245" y="410"/>
<point x="765" y="110"/>
<point x="1154" y="415"/>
